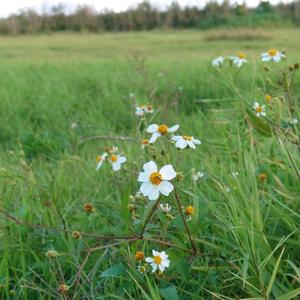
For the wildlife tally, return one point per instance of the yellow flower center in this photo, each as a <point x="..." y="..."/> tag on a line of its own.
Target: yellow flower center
<point x="189" y="210"/>
<point x="157" y="259"/>
<point x="155" y="178"/>
<point x="272" y="52"/>
<point x="113" y="158"/>
<point x="259" y="109"/>
<point x="163" y="129"/>
<point x="268" y="98"/>
<point x="187" y="137"/>
<point x="98" y="158"/>
<point x="142" y="269"/>
<point x="241" y="55"/>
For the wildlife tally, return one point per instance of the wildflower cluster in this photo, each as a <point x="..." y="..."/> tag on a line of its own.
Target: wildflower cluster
<point x="159" y="261"/>
<point x="240" y="58"/>
<point x="115" y="159"/>
<point x="283" y="86"/>
<point x="144" y="109"/>
<point x="181" y="142"/>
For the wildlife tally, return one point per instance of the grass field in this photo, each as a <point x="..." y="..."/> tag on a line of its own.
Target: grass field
<point x="66" y="97"/>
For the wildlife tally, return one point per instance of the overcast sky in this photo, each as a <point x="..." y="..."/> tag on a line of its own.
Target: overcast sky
<point x="11" y="6"/>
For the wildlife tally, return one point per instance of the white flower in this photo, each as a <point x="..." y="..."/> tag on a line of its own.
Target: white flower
<point x="272" y="55"/>
<point x="139" y="111"/>
<point x="100" y="159"/>
<point x="294" y="121"/>
<point x="260" y="110"/>
<point x="144" y="143"/>
<point x="159" y="130"/>
<point x="165" y="208"/>
<point x="149" y="109"/>
<point x="155" y="182"/>
<point x="74" y="125"/>
<point x="218" y="62"/>
<point x="197" y="176"/>
<point x="239" y="60"/>
<point x="185" y="141"/>
<point x="142" y="269"/>
<point x="144" y="109"/>
<point x="158" y="261"/>
<point x="116" y="161"/>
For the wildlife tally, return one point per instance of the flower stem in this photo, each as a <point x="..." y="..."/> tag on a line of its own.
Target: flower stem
<point x="149" y="217"/>
<point x="184" y="222"/>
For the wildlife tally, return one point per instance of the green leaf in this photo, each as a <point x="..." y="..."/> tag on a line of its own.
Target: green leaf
<point x="114" y="271"/>
<point x="290" y="295"/>
<point x="259" y="124"/>
<point x="274" y="274"/>
<point x="169" y="293"/>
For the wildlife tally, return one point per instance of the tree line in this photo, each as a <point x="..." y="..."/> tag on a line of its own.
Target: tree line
<point x="147" y="17"/>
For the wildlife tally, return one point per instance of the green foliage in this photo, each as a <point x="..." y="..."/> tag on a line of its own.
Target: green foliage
<point x="246" y="229"/>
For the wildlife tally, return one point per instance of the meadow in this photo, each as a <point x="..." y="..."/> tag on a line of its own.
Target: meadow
<point x="66" y="99"/>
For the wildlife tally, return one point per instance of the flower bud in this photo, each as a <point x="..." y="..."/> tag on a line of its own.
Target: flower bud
<point x="52" y="254"/>
<point x="139" y="255"/>
<point x="179" y="176"/>
<point x="63" y="289"/>
<point x="76" y="235"/>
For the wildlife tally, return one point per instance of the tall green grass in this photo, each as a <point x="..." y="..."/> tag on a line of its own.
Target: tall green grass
<point x="246" y="230"/>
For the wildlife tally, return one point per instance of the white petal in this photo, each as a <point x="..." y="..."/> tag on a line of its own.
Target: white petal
<point x="149" y="260"/>
<point x="152" y="128"/>
<point x="116" y="166"/>
<point x="161" y="267"/>
<point x="181" y="144"/>
<point x="99" y="164"/>
<point x="175" y="138"/>
<point x="154" y="193"/>
<point x="166" y="263"/>
<point x="173" y="129"/>
<point x="122" y="159"/>
<point x="154" y="137"/>
<point x="166" y="188"/>
<point x="146" y="188"/>
<point x="143" y="177"/>
<point x="163" y="255"/>
<point x="191" y="144"/>
<point x="196" y="142"/>
<point x="155" y="253"/>
<point x="167" y="172"/>
<point x="277" y="58"/>
<point x="266" y="58"/>
<point x="150" y="167"/>
<point x="154" y="267"/>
